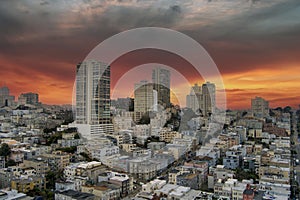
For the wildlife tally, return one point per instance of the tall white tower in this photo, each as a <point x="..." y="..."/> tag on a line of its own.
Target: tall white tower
<point x="93" y="98"/>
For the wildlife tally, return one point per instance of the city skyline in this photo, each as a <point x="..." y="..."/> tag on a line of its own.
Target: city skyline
<point x="235" y="34"/>
<point x="150" y="99"/>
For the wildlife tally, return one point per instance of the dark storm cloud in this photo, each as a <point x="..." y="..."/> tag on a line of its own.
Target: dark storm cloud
<point x="42" y="45"/>
<point x="41" y="33"/>
<point x="122" y="18"/>
<point x="43" y="3"/>
<point x="253" y="38"/>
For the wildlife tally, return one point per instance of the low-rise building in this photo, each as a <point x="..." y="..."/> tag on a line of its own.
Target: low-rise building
<point x="73" y="195"/>
<point x="5" y="178"/>
<point x="40" y="165"/>
<point x="231" y="188"/>
<point x="2" y="162"/>
<point x="142" y="169"/>
<point x="233" y="157"/>
<point x="173" y="176"/>
<point x="26" y="184"/>
<point x="156" y="145"/>
<point x="188" y="180"/>
<point x="12" y="195"/>
<point x="153" y="185"/>
<point x="91" y="170"/>
<point x="104" y="190"/>
<point x="128" y="147"/>
<point x="58" y="160"/>
<point x="168" y="136"/>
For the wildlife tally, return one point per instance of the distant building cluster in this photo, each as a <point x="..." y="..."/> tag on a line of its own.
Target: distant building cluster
<point x="202" y="99"/>
<point x="6" y="99"/>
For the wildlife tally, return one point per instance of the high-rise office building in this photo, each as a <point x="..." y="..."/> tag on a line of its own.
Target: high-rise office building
<point x="4" y="91"/>
<point x="5" y="98"/>
<point x="202" y="98"/>
<point x="259" y="107"/>
<point x="143" y="99"/>
<point x="161" y="83"/>
<point x="93" y="97"/>
<point x="208" y="98"/>
<point x="193" y="99"/>
<point x="28" y="98"/>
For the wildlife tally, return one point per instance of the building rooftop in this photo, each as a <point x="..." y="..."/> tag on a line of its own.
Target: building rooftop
<point x="10" y="195"/>
<point x="89" y="165"/>
<point x="77" y="195"/>
<point x="167" y="188"/>
<point x="179" y="191"/>
<point x="104" y="185"/>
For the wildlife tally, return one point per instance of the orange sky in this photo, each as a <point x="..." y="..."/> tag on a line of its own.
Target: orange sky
<point x="279" y="85"/>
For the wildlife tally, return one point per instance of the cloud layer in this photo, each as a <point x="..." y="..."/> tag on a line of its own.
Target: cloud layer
<point x="255" y="44"/>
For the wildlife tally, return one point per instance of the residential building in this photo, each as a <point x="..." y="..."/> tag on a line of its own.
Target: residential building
<point x="173" y="176"/>
<point x="188" y="180"/>
<point x="232" y="188"/>
<point x="156" y="145"/>
<point x="73" y="195"/>
<point x="168" y="135"/>
<point x="153" y="185"/>
<point x="142" y="169"/>
<point x="58" y="160"/>
<point x="104" y="190"/>
<point x="2" y="162"/>
<point x="89" y="170"/>
<point x="12" y="195"/>
<point x="234" y="156"/>
<point x="27" y="184"/>
<point x="40" y="165"/>
<point x="6" y="176"/>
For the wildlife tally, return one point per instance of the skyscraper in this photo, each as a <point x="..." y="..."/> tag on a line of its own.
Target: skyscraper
<point x="28" y="98"/>
<point x="259" y="107"/>
<point x="193" y="99"/>
<point x="202" y="98"/>
<point x="143" y="99"/>
<point x="93" y="97"/>
<point x="5" y="98"/>
<point x="208" y="98"/>
<point x="161" y="81"/>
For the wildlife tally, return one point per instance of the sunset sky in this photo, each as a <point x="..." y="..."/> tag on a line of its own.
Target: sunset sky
<point x="254" y="43"/>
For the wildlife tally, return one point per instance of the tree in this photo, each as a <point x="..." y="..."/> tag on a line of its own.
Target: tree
<point x="53" y="138"/>
<point x="240" y="174"/>
<point x="52" y="177"/>
<point x="5" y="150"/>
<point x="72" y="149"/>
<point x="86" y="156"/>
<point x="145" y="119"/>
<point x="244" y="113"/>
<point x="11" y="162"/>
<point x="77" y="136"/>
<point x="287" y="109"/>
